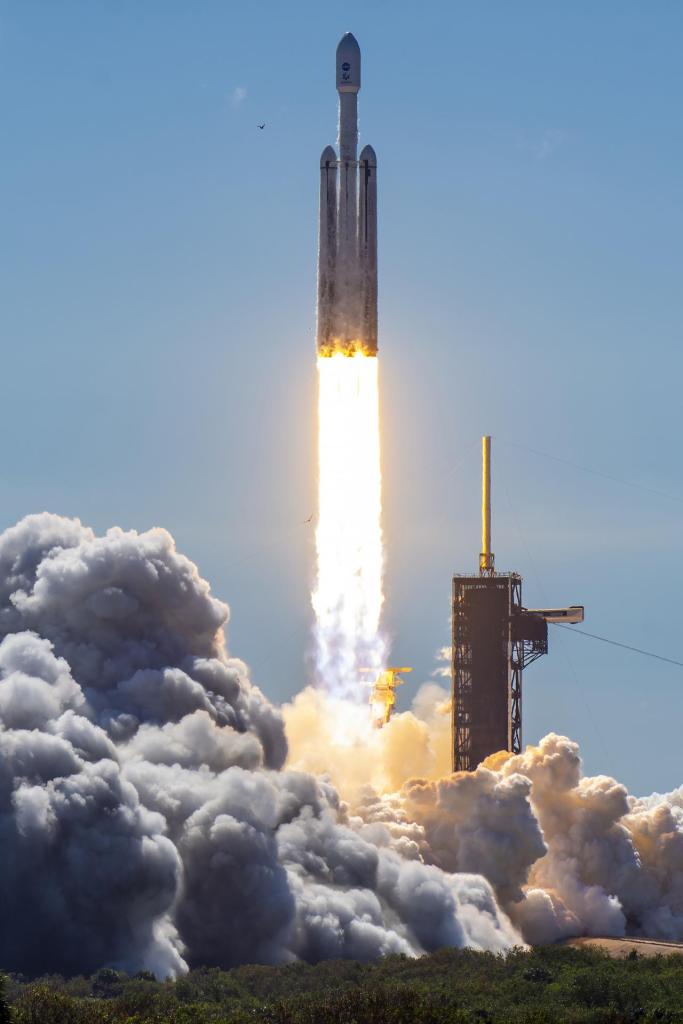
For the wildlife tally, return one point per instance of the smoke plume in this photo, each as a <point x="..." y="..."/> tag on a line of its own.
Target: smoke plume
<point x="153" y="815"/>
<point x="566" y="855"/>
<point x="146" y="814"/>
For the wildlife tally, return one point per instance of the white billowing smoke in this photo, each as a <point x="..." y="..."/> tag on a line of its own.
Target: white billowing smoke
<point x="147" y="817"/>
<point x="566" y="855"/>
<point x="152" y="815"/>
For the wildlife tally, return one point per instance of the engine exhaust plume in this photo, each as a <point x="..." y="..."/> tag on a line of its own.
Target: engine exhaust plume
<point x="348" y="598"/>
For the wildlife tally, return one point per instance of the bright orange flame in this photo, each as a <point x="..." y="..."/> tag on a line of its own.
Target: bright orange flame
<point x="348" y="595"/>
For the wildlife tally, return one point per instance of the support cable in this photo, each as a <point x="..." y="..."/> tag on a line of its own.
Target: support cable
<point x="616" y="643"/>
<point x="596" y="472"/>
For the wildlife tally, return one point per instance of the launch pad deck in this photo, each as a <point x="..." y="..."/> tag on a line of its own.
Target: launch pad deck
<point x="622" y="947"/>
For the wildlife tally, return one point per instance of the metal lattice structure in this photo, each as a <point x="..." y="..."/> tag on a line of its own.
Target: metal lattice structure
<point x="494" y="639"/>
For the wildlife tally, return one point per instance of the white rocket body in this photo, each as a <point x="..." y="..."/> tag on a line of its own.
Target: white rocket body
<point x="347" y="246"/>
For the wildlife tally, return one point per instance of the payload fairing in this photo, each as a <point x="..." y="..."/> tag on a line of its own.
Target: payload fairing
<point x="347" y="246"/>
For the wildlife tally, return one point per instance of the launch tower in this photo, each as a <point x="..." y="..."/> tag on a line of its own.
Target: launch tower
<point x="494" y="638"/>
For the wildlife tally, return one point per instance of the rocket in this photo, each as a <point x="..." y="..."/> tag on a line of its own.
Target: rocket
<point x="347" y="241"/>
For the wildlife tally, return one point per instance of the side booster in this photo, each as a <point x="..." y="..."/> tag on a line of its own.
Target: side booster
<point x="347" y="244"/>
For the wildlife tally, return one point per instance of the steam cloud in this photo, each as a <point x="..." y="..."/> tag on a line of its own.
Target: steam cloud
<point x="566" y="855"/>
<point x="146" y="818"/>
<point x="151" y="815"/>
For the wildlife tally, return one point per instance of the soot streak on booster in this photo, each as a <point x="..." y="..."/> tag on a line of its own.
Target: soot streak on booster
<point x="347" y="246"/>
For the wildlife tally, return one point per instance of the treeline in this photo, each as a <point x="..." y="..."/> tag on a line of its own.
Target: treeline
<point x="540" y="986"/>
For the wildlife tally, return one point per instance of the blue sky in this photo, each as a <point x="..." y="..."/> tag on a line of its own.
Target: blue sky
<point x="157" y="287"/>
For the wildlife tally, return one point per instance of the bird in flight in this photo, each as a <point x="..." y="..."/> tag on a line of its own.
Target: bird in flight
<point x="261" y="126"/>
<point x="310" y="518"/>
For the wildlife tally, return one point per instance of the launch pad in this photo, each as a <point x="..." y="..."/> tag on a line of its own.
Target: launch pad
<point x="494" y="638"/>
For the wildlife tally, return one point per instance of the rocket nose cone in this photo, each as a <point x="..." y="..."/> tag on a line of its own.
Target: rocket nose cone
<point x="348" y="64"/>
<point x="368" y="156"/>
<point x="328" y="157"/>
<point x="348" y="39"/>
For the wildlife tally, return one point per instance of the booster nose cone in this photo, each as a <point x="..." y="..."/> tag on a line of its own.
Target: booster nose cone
<point x="348" y="64"/>
<point x="328" y="157"/>
<point x="368" y="156"/>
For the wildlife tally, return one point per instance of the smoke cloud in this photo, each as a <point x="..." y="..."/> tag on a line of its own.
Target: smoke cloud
<point x="154" y="815"/>
<point x="566" y="855"/>
<point x="147" y="817"/>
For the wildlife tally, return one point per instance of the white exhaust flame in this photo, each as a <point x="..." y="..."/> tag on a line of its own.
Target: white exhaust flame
<point x="348" y="597"/>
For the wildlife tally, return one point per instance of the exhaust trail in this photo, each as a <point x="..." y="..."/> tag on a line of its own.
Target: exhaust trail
<point x="348" y="597"/>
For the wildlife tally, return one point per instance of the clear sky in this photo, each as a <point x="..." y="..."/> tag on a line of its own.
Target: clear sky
<point x="157" y="287"/>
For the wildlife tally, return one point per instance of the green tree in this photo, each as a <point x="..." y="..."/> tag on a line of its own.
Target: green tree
<point x="5" y="1016"/>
